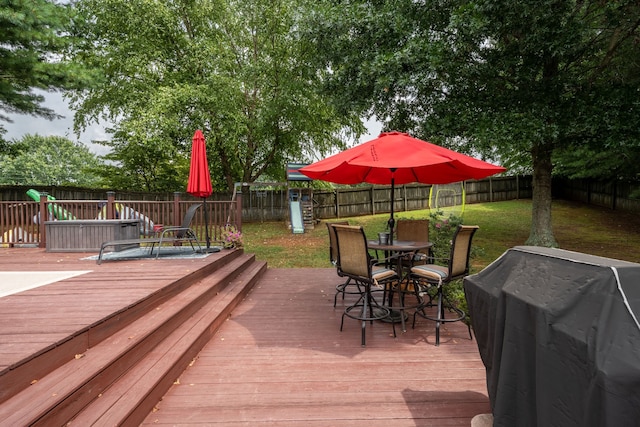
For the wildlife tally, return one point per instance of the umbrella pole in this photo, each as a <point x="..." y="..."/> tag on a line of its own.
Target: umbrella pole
<point x="392" y="221"/>
<point x="206" y="222"/>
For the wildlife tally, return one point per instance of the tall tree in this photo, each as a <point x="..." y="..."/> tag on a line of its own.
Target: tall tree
<point x="524" y="81"/>
<point x="33" y="44"/>
<point x="49" y="160"/>
<point x="233" y="69"/>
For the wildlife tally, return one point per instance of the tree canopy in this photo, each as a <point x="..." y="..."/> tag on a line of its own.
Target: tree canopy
<point x="33" y="44"/>
<point x="49" y="160"/>
<point x="234" y="69"/>
<point x="531" y="83"/>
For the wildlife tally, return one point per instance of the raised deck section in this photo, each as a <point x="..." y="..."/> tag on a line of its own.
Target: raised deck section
<point x="139" y="321"/>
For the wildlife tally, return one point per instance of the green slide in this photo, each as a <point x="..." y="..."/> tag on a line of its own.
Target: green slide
<point x="56" y="211"/>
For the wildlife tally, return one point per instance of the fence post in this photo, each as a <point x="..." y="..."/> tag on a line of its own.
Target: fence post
<point x="111" y="197"/>
<point x="490" y="189"/>
<point x="373" y="200"/>
<point x="42" y="212"/>
<point x="404" y="196"/>
<point x="176" y="209"/>
<point x="335" y="193"/>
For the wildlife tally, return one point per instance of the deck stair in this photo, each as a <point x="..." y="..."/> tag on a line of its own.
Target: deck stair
<point x="118" y="380"/>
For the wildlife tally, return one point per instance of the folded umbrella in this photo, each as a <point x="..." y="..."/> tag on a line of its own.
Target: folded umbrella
<point x="199" y="184"/>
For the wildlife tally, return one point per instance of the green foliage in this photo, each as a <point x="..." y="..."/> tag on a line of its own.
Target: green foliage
<point x="231" y="237"/>
<point x="235" y="70"/>
<point x="441" y="230"/>
<point x="527" y="83"/>
<point x="33" y="44"/>
<point x="49" y="160"/>
<point x="587" y="162"/>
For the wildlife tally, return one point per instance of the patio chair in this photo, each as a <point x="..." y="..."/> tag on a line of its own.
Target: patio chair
<point x="457" y="267"/>
<point x="333" y="258"/>
<point x="417" y="230"/>
<point x="355" y="263"/>
<point x="181" y="233"/>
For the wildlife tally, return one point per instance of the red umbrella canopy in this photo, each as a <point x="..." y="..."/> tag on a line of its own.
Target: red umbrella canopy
<point x="199" y="184"/>
<point x="401" y="157"/>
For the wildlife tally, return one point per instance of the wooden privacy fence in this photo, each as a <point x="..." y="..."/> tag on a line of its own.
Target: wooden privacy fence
<point x="263" y="203"/>
<point x="272" y="204"/>
<point x="613" y="194"/>
<point x="24" y="223"/>
<point x="342" y="203"/>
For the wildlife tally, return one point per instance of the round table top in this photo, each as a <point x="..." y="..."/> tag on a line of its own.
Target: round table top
<point x="399" y="245"/>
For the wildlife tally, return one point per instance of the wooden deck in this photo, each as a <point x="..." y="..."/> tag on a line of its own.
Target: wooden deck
<point x="49" y="316"/>
<point x="279" y="359"/>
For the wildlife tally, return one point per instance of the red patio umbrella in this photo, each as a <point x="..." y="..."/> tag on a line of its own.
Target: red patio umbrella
<point x="199" y="184"/>
<point x="398" y="158"/>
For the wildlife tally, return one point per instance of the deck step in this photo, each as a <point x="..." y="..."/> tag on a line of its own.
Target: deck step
<point x="141" y="359"/>
<point x="20" y="376"/>
<point x="133" y="397"/>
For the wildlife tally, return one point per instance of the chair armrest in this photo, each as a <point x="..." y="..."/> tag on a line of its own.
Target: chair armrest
<point x="174" y="230"/>
<point x="383" y="261"/>
<point x="439" y="261"/>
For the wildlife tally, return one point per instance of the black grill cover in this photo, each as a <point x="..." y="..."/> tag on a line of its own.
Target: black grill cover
<point x="559" y="336"/>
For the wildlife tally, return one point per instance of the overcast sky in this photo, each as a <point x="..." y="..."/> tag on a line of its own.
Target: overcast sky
<point x="23" y="125"/>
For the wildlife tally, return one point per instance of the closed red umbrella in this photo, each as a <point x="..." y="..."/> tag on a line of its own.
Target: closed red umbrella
<point x="199" y="184"/>
<point x="398" y="158"/>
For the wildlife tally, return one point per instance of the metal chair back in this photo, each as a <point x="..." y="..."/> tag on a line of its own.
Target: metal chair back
<point x="353" y="255"/>
<point x="461" y="251"/>
<point x="413" y="229"/>
<point x="333" y="243"/>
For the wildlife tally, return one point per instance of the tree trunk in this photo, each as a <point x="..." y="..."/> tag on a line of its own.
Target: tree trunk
<point x="541" y="228"/>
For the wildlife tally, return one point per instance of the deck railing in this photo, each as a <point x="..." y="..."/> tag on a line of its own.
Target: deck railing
<point x="24" y="223"/>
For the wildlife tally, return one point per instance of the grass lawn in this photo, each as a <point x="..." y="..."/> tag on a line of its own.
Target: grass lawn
<point x="577" y="227"/>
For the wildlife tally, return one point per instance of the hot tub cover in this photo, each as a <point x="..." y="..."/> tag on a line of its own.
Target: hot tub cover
<point x="559" y="336"/>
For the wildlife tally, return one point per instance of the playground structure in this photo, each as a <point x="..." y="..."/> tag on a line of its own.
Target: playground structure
<point x="281" y="201"/>
<point x="122" y="211"/>
<point x="300" y="199"/>
<point x="300" y="209"/>
<point x="56" y="212"/>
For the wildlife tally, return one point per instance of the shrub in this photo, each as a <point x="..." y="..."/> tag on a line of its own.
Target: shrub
<point x="231" y="237"/>
<point x="441" y="230"/>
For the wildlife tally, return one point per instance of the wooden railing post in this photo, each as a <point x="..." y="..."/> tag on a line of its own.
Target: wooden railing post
<point x="42" y="212"/>
<point x="176" y="209"/>
<point x="111" y="198"/>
